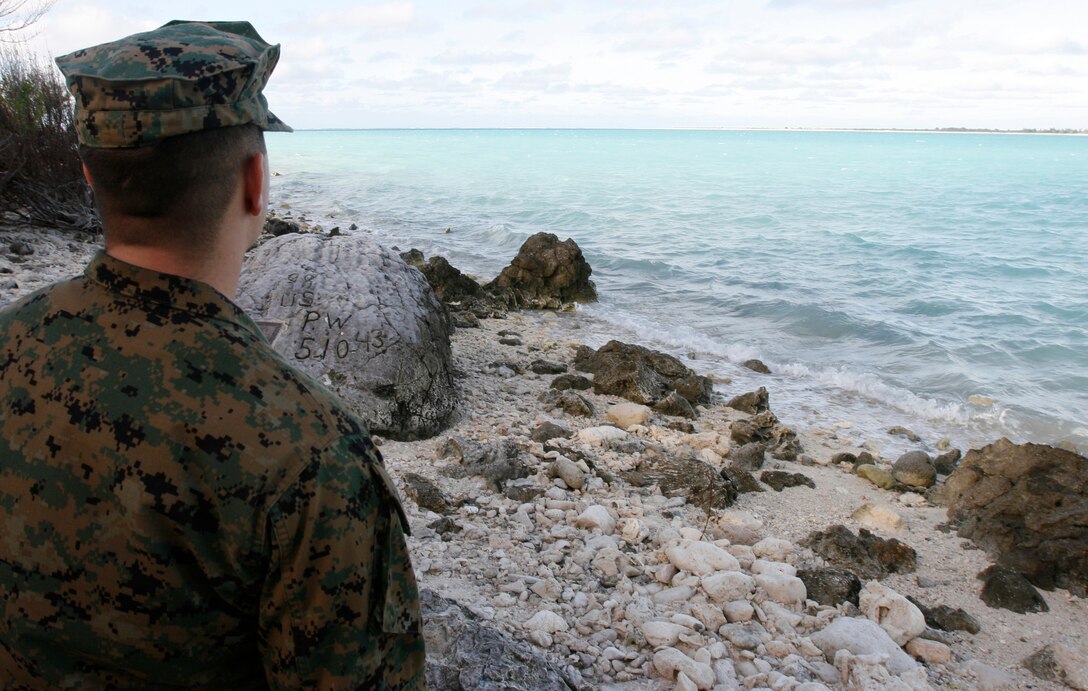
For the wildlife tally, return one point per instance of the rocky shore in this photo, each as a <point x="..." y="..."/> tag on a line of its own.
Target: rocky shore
<point x="610" y="519"/>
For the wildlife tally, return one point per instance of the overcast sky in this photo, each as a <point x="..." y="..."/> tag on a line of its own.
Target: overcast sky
<point x="647" y="63"/>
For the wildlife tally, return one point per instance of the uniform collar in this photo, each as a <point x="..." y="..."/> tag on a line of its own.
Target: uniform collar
<point x="176" y="292"/>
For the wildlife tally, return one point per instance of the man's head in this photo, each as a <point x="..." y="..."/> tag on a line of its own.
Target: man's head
<point x="169" y="121"/>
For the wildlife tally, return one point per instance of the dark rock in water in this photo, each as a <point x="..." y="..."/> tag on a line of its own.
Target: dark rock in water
<point x="546" y="274"/>
<point x="915" y="469"/>
<point x="688" y="477"/>
<point x="1026" y="505"/>
<point x="947" y="618"/>
<point x="780" y="441"/>
<point x="681" y="426"/>
<point x="904" y="432"/>
<point x="546" y="431"/>
<point x="640" y="374"/>
<point x="522" y="493"/>
<point x="425" y="493"/>
<point x="865" y="554"/>
<point x="780" y="479"/>
<point x="946" y="463"/>
<point x="358" y="319"/>
<point x="571" y="381"/>
<point x="497" y="461"/>
<point x="413" y="258"/>
<point x="569" y="402"/>
<point x="675" y="405"/>
<point x="752" y="402"/>
<point x="278" y="226"/>
<point x="1007" y="589"/>
<point x="546" y="367"/>
<point x="450" y="285"/>
<point x="465" y="654"/>
<point x="748" y="457"/>
<point x="743" y="480"/>
<point x="866" y="458"/>
<point x="757" y="366"/>
<point x="830" y="585"/>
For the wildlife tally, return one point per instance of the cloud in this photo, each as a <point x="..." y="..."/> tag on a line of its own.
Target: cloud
<point x="832" y="4"/>
<point x="384" y="55"/>
<point x="676" y="38"/>
<point x="550" y="78"/>
<point x="520" y="9"/>
<point x="460" y="57"/>
<point x="393" y="18"/>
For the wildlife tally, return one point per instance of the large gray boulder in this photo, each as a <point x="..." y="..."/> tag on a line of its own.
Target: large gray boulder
<point x="357" y="318"/>
<point x="1026" y="504"/>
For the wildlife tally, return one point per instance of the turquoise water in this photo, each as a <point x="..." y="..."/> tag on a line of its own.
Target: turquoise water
<point x="936" y="281"/>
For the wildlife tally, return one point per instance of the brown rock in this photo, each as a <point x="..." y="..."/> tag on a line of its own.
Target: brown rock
<point x="640" y="374"/>
<point x="865" y="554"/>
<point x="546" y="274"/>
<point x="685" y="477"/>
<point x="752" y="402"/>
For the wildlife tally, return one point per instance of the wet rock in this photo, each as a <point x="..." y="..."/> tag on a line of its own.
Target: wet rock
<point x="1061" y="664"/>
<point x="571" y="381"/>
<point x="904" y="432"/>
<point x="1027" y="505"/>
<point x="748" y="457"/>
<point x="830" y="585"/>
<point x="878" y="476"/>
<point x="865" y="554"/>
<point x="845" y="457"/>
<point x="1007" y="589"/>
<point x="946" y="463"/>
<point x="546" y="431"/>
<point x="947" y="618"/>
<point x="546" y="274"/>
<point x="640" y="374"/>
<point x="757" y="366"/>
<point x="675" y="405"/>
<point x="464" y="654"/>
<point x="743" y="480"/>
<point x="358" y="319"/>
<point x="752" y="402"/>
<point x="449" y="284"/>
<point x="688" y="477"/>
<point x="278" y="226"/>
<point x="778" y="480"/>
<point x="915" y="469"/>
<point x="425" y="493"/>
<point x="413" y="257"/>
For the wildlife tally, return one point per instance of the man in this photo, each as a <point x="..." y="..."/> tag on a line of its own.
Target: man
<point x="179" y="508"/>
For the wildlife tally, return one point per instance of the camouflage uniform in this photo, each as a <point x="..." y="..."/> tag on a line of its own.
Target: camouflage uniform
<point x="179" y="507"/>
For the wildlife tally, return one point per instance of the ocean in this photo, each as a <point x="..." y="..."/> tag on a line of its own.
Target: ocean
<point x="927" y="280"/>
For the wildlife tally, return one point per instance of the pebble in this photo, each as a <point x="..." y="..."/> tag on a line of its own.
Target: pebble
<point x="930" y="652"/>
<point x="546" y="621"/>
<point x="739" y="611"/>
<point x="601" y="436"/>
<point x="728" y="586"/>
<point x="662" y="633"/>
<point x="787" y="590"/>
<point x="596" y="517"/>
<point x="701" y="558"/>
<point x="773" y="548"/>
<point x="897" y="615"/>
<point x="669" y="662"/>
<point x="569" y="472"/>
<point x="627" y="415"/>
<point x="861" y="637"/>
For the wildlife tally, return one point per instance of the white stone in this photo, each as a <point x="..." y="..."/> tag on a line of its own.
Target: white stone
<point x="725" y="674"/>
<point x="541" y="638"/>
<point x="701" y="558"/>
<point x="681" y="593"/>
<point x="869" y="672"/>
<point x="662" y="633"/>
<point x="685" y="684"/>
<point x="711" y="616"/>
<point x="897" y="615"/>
<point x="1072" y="665"/>
<point x="989" y="678"/>
<point x="710" y="457"/>
<point x="930" y="652"/>
<point x="546" y="621"/>
<point x="728" y="586"/>
<point x="687" y="621"/>
<point x="811" y="686"/>
<point x="861" y="637"/>
<point x="596" y="517"/>
<point x="912" y="499"/>
<point x="601" y="436"/>
<point x="739" y="518"/>
<point x="669" y="662"/>
<point x="627" y="415"/>
<point x="569" y="472"/>
<point x="764" y="566"/>
<point x="633" y="530"/>
<point x="773" y="548"/>
<point x="877" y="517"/>
<point x="788" y="590"/>
<point x="739" y="611"/>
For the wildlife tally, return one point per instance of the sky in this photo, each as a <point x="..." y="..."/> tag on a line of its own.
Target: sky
<point x="1001" y="64"/>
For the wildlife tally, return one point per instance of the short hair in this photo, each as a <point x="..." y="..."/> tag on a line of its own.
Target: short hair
<point x="183" y="182"/>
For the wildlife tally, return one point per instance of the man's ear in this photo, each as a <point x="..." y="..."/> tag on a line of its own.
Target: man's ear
<point x="253" y="181"/>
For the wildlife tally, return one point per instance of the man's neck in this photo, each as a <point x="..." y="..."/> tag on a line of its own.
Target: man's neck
<point x="219" y="269"/>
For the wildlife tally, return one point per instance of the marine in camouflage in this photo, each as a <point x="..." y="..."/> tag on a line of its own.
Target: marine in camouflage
<point x="182" y="77"/>
<point x="181" y="508"/>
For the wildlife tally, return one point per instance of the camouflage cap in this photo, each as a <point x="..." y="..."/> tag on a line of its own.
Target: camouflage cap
<point x="182" y="77"/>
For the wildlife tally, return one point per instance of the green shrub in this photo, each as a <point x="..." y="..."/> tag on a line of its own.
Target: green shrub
<point x="41" y="177"/>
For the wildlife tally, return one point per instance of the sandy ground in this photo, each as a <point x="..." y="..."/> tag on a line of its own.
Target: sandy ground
<point x="481" y="565"/>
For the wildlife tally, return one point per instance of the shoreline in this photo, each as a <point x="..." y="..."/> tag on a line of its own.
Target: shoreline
<point x="877" y="130"/>
<point x="507" y="571"/>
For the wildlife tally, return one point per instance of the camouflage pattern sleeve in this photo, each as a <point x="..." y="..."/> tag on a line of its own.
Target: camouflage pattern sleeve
<point x="340" y="607"/>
